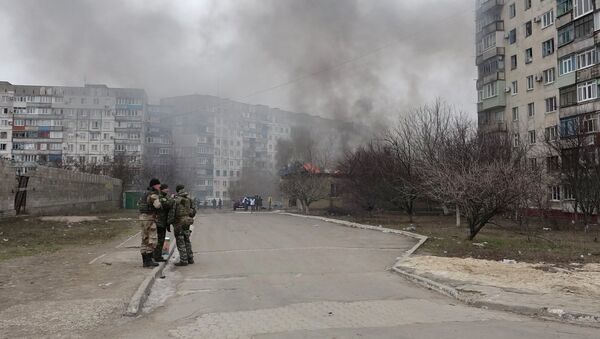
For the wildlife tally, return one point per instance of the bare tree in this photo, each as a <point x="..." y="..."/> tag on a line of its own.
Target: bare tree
<point x="305" y="183"/>
<point x="482" y="174"/>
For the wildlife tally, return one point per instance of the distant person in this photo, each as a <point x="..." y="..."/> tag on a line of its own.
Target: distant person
<point x="252" y="204"/>
<point x="148" y="206"/>
<point x="162" y="224"/>
<point x="182" y="216"/>
<point x="220" y="203"/>
<point x="214" y="203"/>
<point x="270" y="199"/>
<point x="205" y="203"/>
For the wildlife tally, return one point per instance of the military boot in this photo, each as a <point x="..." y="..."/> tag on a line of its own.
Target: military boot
<point x="148" y="262"/>
<point x="181" y="263"/>
<point x="190" y="260"/>
<point x="159" y="258"/>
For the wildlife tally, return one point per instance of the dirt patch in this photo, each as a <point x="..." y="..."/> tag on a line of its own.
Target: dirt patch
<point x="85" y="281"/>
<point x="583" y="280"/>
<point x="25" y="236"/>
<point x="563" y="243"/>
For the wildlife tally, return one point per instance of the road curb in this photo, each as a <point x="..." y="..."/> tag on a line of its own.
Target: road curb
<point x="140" y="296"/>
<point x="548" y="313"/>
<point x="421" y="238"/>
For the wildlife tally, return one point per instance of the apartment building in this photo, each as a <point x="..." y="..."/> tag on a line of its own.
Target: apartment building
<point x="7" y="96"/>
<point x="71" y="126"/>
<point x="215" y="140"/>
<point x="158" y="144"/>
<point x="538" y="73"/>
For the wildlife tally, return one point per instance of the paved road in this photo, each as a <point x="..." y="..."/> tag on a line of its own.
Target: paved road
<point x="273" y="276"/>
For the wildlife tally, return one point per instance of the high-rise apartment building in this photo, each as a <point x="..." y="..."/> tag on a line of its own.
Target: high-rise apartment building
<point x="71" y="126"/>
<point x="538" y="72"/>
<point x="215" y="140"/>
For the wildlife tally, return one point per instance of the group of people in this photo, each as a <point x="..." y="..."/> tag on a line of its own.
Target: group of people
<point x="215" y="203"/>
<point x="254" y="203"/>
<point x="159" y="210"/>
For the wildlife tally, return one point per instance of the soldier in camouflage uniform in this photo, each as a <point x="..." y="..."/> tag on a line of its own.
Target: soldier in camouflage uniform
<point x="149" y="205"/>
<point x="162" y="224"/>
<point x="182" y="216"/>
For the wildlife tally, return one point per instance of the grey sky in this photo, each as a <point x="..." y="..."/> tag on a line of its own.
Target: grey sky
<point x="337" y="58"/>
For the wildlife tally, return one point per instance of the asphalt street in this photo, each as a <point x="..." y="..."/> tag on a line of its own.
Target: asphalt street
<point x="273" y="276"/>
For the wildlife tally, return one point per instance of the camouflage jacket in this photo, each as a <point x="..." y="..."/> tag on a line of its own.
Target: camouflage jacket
<point x="163" y="214"/>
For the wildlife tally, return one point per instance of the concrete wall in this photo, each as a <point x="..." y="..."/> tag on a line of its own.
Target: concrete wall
<point x="58" y="191"/>
<point x="8" y="186"/>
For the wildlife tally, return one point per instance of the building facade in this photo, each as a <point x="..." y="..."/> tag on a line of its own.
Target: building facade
<point x="75" y="127"/>
<point x="538" y="75"/>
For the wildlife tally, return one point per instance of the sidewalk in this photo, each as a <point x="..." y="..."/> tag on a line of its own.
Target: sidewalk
<point x="71" y="291"/>
<point x="567" y="293"/>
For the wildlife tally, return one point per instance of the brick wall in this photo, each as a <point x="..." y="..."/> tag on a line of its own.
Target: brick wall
<point x="58" y="191"/>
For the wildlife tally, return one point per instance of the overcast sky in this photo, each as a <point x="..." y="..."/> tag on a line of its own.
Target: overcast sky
<point x="355" y="59"/>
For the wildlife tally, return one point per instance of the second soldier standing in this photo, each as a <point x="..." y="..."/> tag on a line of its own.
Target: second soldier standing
<point x="162" y="224"/>
<point x="182" y="217"/>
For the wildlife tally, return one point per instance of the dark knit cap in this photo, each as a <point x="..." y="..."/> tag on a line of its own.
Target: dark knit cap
<point x="179" y="188"/>
<point x="154" y="182"/>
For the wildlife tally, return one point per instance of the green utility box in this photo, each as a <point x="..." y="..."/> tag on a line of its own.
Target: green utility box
<point x="130" y="199"/>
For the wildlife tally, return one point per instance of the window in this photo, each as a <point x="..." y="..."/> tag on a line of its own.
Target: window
<point x="550" y="104"/>
<point x="2" y="147"/>
<point x="515" y="113"/>
<point x="516" y="140"/>
<point x="528" y="55"/>
<point x="548" y="47"/>
<point x="549" y="76"/>
<point x="532" y="137"/>
<point x="566" y="34"/>
<point x="568" y="96"/>
<point x="555" y="190"/>
<point x="582" y="7"/>
<point x="217" y="173"/>
<point x="489" y="90"/>
<point x="548" y="18"/>
<point x="566" y="65"/>
<point x="82" y="147"/>
<point x="563" y="6"/>
<point x="551" y="133"/>
<point x="590" y="123"/>
<point x="587" y="91"/>
<point x="3" y="135"/>
<point x="512" y="10"/>
<point x="530" y="83"/>
<point x="515" y="87"/>
<point x="513" y="62"/>
<point x="528" y="28"/>
<point x="531" y="110"/>
<point x="586" y="59"/>
<point x="512" y="36"/>
<point x="552" y="163"/>
<point x="584" y="27"/>
<point x="527" y="4"/>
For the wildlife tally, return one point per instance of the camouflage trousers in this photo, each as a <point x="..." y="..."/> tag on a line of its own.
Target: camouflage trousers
<point x="161" y="233"/>
<point x="182" y="239"/>
<point x="148" y="234"/>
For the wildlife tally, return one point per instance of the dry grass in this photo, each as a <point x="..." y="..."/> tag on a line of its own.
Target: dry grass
<point x="23" y="236"/>
<point x="565" y="243"/>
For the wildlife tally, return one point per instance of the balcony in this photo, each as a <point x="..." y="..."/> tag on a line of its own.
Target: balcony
<point x="490" y="53"/>
<point x="575" y="46"/>
<point x="586" y="107"/>
<point x="566" y="80"/>
<point x="490" y="78"/>
<point x="490" y="4"/>
<point x="493" y="127"/>
<point x="588" y="73"/>
<point x="497" y="102"/>
<point x="489" y="28"/>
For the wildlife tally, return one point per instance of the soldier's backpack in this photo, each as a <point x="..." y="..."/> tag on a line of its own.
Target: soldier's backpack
<point x="143" y="205"/>
<point x="183" y="211"/>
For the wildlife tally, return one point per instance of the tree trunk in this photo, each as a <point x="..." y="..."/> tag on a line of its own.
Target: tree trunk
<point x="457" y="216"/>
